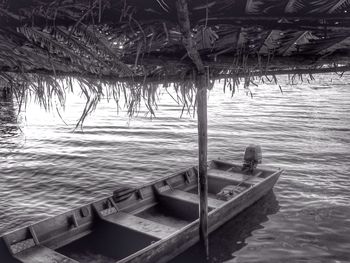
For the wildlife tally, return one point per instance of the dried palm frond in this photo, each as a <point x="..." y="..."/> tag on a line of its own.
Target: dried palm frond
<point x="253" y="6"/>
<point x="262" y="6"/>
<point x="291" y="42"/>
<point x="294" y="6"/>
<point x="205" y="37"/>
<point x="339" y="6"/>
<point x="329" y="6"/>
<point x="324" y="45"/>
<point x="46" y="90"/>
<point x="118" y="49"/>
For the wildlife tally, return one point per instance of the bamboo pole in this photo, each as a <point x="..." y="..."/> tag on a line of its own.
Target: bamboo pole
<point x="201" y="85"/>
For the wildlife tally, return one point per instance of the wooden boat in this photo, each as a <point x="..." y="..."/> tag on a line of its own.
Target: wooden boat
<point x="152" y="223"/>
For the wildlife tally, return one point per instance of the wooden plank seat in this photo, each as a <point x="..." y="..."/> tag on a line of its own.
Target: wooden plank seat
<point x="230" y="175"/>
<point x="41" y="254"/>
<point x="192" y="198"/>
<point x="139" y="224"/>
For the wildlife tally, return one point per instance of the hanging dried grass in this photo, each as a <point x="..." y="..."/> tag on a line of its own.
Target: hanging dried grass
<point x="131" y="59"/>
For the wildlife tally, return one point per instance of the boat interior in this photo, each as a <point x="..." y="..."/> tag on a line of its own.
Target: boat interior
<point x="112" y="229"/>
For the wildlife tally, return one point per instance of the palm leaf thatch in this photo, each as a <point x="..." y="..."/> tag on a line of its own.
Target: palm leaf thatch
<point x="293" y="6"/>
<point x="317" y="6"/>
<point x="339" y="6"/>
<point x="129" y="49"/>
<point x="263" y="6"/>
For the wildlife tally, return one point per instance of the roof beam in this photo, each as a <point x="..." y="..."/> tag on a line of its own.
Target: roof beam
<point x="292" y="17"/>
<point x="222" y="62"/>
<point x="292" y="23"/>
<point x="111" y="16"/>
<point x="175" y="78"/>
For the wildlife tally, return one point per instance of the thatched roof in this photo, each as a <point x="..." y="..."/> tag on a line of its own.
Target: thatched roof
<point x="141" y="43"/>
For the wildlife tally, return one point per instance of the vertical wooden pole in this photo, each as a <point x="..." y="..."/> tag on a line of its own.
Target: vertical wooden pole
<point x="201" y="84"/>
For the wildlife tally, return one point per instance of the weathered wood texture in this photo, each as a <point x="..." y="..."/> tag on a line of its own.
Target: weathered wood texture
<point x="201" y="85"/>
<point x="188" y="40"/>
<point x="193" y="198"/>
<point x="40" y="254"/>
<point x="202" y="155"/>
<point x="140" y="224"/>
<point x="238" y="177"/>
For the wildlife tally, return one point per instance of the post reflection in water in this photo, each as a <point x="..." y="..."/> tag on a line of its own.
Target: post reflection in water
<point x="230" y="237"/>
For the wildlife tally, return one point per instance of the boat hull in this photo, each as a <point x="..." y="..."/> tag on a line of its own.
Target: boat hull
<point x="184" y="239"/>
<point x="152" y="223"/>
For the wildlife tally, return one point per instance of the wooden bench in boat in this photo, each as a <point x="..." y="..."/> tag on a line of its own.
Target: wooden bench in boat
<point x="230" y="175"/>
<point x="192" y="198"/>
<point x="140" y="224"/>
<point x="41" y="254"/>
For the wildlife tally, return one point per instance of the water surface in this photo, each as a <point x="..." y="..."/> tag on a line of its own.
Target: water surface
<point x="47" y="169"/>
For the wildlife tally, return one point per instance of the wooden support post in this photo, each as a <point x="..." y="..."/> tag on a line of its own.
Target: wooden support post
<point x="201" y="84"/>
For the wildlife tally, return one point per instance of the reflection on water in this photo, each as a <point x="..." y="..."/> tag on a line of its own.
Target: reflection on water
<point x="47" y="169"/>
<point x="307" y="235"/>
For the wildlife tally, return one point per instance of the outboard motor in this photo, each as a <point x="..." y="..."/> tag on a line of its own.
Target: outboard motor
<point x="252" y="157"/>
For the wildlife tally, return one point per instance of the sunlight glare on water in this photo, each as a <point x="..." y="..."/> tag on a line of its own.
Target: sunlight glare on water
<point x="47" y="169"/>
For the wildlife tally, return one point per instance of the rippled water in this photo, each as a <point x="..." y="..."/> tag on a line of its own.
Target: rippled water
<point x="47" y="169"/>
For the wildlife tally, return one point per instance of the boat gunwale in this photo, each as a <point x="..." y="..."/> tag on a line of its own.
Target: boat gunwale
<point x="144" y="185"/>
<point x="71" y="210"/>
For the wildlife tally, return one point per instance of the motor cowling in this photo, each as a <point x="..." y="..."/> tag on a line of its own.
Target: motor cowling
<point x="252" y="157"/>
